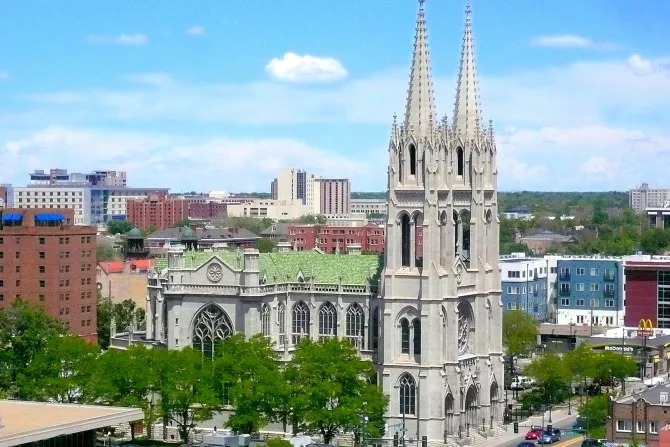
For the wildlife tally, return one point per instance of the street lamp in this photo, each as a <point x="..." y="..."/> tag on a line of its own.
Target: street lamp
<point x="572" y="325"/>
<point x="402" y="409"/>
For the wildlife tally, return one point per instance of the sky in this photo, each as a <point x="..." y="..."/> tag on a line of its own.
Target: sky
<point x="219" y="95"/>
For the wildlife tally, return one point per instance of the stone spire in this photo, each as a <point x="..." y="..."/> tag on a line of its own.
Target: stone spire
<point x="420" y="109"/>
<point x="467" y="114"/>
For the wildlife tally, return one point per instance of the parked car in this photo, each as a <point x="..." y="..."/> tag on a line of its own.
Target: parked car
<point x="588" y="442"/>
<point x="550" y="436"/>
<point x="526" y="444"/>
<point x="522" y="383"/>
<point x="534" y="433"/>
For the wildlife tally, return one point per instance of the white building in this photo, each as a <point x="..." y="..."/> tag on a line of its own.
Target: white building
<point x="266" y="208"/>
<point x="74" y="197"/>
<point x="644" y="197"/>
<point x="368" y="206"/>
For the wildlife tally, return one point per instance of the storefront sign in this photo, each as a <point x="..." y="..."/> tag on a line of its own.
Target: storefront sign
<point x="619" y="348"/>
<point x="645" y="328"/>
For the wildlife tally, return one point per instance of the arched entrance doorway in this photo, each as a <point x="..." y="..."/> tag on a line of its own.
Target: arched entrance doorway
<point x="495" y="402"/>
<point x="471" y="407"/>
<point x="449" y="415"/>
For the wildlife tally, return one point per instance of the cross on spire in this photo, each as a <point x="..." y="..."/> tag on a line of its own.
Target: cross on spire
<point x="421" y="2"/>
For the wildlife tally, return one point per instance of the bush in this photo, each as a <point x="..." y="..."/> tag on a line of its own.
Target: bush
<point x="278" y="443"/>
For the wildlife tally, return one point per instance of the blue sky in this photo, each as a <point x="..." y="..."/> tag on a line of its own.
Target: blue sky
<point x="214" y="95"/>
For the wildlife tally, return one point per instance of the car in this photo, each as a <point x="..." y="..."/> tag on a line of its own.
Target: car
<point x="588" y="442"/>
<point x="534" y="432"/>
<point x="526" y="444"/>
<point x="549" y="436"/>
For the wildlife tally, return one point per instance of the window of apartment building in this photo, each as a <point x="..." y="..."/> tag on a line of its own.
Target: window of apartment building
<point x="18" y="269"/>
<point x="2" y="240"/>
<point x="88" y="239"/>
<point x="595" y="271"/>
<point x="580" y="271"/>
<point x="18" y="255"/>
<point x="17" y="241"/>
<point x="2" y="297"/>
<point x="609" y="321"/>
<point x="42" y="297"/>
<point x="83" y="295"/>
<point x="511" y="306"/>
<point x="595" y="287"/>
<point x="653" y="427"/>
<point x="18" y="283"/>
<point x="609" y="272"/>
<point x="67" y="240"/>
<point x="42" y="255"/>
<point x="61" y="240"/>
<point x="565" y="301"/>
<point x="513" y="274"/>
<point x="43" y="283"/>
<point x="565" y="287"/>
<point x="2" y="268"/>
<point x="42" y="241"/>
<point x="552" y="270"/>
<point x="579" y="287"/>
<point x="639" y="427"/>
<point x="580" y="302"/>
<point x="83" y="239"/>
<point x="83" y="267"/>
<point x="580" y="319"/>
<point x="83" y="309"/>
<point x="595" y="303"/>
<point x="88" y="308"/>
<point x="2" y="255"/>
<point x="609" y="303"/>
<point x="624" y="425"/>
<point x="42" y="269"/>
<point x="2" y="283"/>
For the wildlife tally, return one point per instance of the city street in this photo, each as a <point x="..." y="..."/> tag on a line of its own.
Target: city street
<point x="567" y="439"/>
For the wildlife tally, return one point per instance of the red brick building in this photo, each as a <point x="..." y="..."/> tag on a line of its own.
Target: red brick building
<point x="647" y="291"/>
<point x="156" y="211"/>
<point x="326" y="238"/>
<point x="207" y="210"/>
<point x="46" y="260"/>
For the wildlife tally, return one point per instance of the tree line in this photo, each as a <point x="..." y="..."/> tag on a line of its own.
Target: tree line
<point x="324" y="389"/>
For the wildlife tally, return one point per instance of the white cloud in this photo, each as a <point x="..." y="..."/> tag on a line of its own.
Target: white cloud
<point x="217" y="162"/>
<point x="599" y="167"/>
<point x="294" y="68"/>
<point x="571" y="41"/>
<point x="195" y="30"/>
<point x="4" y="75"/>
<point x="122" y="39"/>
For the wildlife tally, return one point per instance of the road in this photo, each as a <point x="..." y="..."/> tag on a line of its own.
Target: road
<point x="567" y="440"/>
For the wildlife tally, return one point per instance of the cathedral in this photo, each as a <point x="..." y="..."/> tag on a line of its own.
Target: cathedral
<point x="440" y="356"/>
<point x="428" y="314"/>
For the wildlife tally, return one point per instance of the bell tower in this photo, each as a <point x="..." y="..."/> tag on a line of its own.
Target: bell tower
<point x="440" y="312"/>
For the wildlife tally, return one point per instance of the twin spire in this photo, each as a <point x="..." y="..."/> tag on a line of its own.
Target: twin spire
<point x="420" y="110"/>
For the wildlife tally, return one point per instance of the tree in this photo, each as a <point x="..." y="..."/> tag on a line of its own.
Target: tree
<point x="580" y="363"/>
<point x="25" y="329"/>
<point x="105" y="310"/>
<point x="520" y="331"/>
<point x="265" y="245"/>
<point x="182" y="223"/>
<point x="186" y="395"/>
<point x="248" y="371"/>
<point x="311" y="219"/>
<point x="124" y="312"/>
<point x="252" y="224"/>
<point x="551" y="374"/>
<point x="609" y="365"/>
<point x="334" y="386"/>
<point x="61" y="371"/>
<point x="593" y="413"/>
<point x="104" y="252"/>
<point x="119" y="226"/>
<point x="122" y="378"/>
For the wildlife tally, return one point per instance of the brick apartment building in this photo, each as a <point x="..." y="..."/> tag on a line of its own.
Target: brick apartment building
<point x="206" y="210"/>
<point x="639" y="416"/>
<point x="330" y="238"/>
<point x="156" y="211"/>
<point x="47" y="260"/>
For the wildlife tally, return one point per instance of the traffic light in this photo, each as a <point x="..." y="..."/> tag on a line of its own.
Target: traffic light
<point x="424" y="441"/>
<point x="395" y="439"/>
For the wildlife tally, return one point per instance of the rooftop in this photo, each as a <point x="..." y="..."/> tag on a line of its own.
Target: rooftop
<point x="657" y="395"/>
<point x="288" y="267"/>
<point x="215" y="234"/>
<point x="27" y="422"/>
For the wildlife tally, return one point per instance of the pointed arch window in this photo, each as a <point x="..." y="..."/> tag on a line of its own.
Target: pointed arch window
<point x="327" y="321"/>
<point x="265" y="320"/>
<point x="281" y="316"/>
<point x="401" y="172"/>
<point x="470" y="170"/>
<point x="354" y="325"/>
<point x="405" y="239"/>
<point x="416" y="325"/>
<point x="407" y="394"/>
<point x="211" y="326"/>
<point x="404" y="336"/>
<point x="374" y="329"/>
<point x="465" y="234"/>
<point x="412" y="159"/>
<point x="457" y="233"/>
<point x="300" y="323"/>
<point x="460" y="161"/>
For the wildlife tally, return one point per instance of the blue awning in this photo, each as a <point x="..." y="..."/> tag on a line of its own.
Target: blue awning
<point x="50" y="217"/>
<point x="12" y="217"/>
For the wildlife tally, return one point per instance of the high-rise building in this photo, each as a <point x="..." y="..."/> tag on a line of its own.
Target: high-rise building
<point x="441" y="355"/>
<point x="156" y="211"/>
<point x="61" y="177"/>
<point x="289" y="186"/>
<point x="643" y="197"/>
<point x="334" y="196"/>
<point x="47" y="260"/>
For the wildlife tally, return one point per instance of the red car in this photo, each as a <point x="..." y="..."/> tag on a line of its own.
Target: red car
<point x="534" y="433"/>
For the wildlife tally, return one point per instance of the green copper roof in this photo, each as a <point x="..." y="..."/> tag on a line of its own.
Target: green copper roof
<point x="188" y="234"/>
<point x="134" y="233"/>
<point x="287" y="267"/>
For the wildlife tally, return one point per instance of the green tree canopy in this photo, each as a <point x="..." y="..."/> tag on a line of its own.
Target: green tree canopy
<point x="551" y="374"/>
<point x="104" y="252"/>
<point x="520" y="332"/>
<point x="610" y="365"/>
<point x="119" y="226"/>
<point x="580" y="362"/>
<point x="265" y="245"/>
<point x="25" y="329"/>
<point x="594" y="413"/>
<point x="61" y="371"/>
<point x="335" y="387"/>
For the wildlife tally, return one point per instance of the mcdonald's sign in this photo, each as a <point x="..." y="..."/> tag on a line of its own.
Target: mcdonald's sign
<point x="645" y="328"/>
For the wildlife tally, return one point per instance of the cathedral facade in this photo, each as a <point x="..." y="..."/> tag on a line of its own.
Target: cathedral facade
<point x="440" y="355"/>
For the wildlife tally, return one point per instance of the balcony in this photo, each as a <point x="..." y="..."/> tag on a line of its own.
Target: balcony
<point x="609" y="277"/>
<point x="564" y="292"/>
<point x="564" y="276"/>
<point x="609" y="293"/>
<point x="536" y="293"/>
